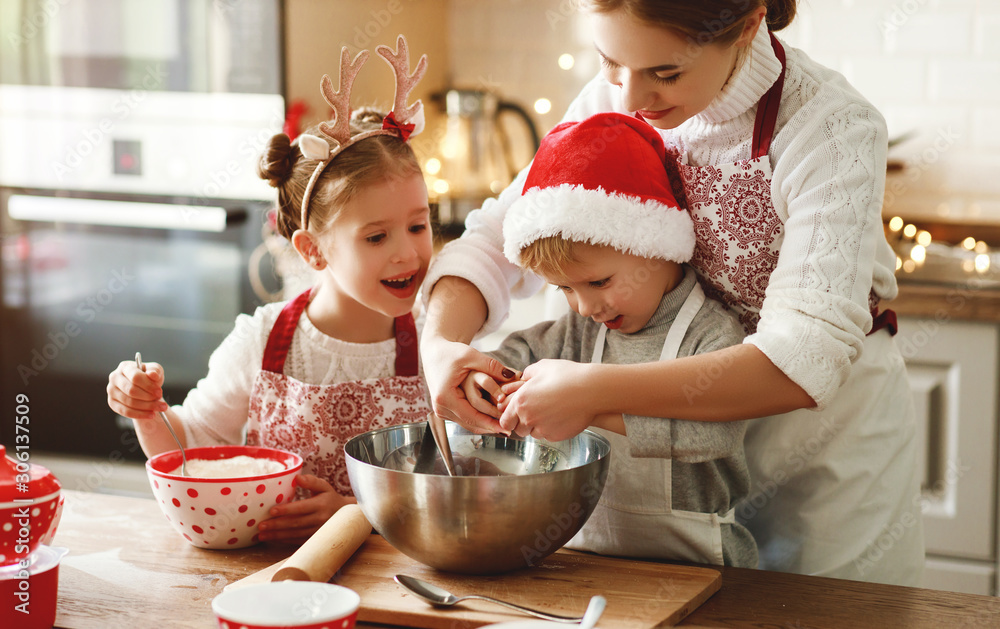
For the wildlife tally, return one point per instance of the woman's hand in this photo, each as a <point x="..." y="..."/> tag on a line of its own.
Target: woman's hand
<point x="554" y="400"/>
<point x="134" y="393"/>
<point x="296" y="521"/>
<point x="455" y="312"/>
<point x="447" y="365"/>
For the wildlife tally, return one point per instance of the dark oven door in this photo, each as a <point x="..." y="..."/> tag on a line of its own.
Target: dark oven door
<point x="89" y="280"/>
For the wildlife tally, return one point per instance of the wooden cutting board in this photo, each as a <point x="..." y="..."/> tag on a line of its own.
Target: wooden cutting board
<point x="640" y="594"/>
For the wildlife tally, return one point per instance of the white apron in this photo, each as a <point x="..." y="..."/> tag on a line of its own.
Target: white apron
<point x="834" y="493"/>
<point x="635" y="515"/>
<point x="316" y="420"/>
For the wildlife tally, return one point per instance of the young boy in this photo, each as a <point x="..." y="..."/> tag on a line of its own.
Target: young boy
<point x="596" y="197"/>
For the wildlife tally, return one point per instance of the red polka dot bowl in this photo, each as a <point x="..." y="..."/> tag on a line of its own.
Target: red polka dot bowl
<point x="221" y="513"/>
<point x="289" y="604"/>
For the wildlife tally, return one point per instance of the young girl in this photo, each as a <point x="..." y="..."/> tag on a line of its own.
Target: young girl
<point x="782" y="166"/>
<point x="341" y="358"/>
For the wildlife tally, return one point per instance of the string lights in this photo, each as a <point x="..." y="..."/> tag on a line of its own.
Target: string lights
<point x="916" y="247"/>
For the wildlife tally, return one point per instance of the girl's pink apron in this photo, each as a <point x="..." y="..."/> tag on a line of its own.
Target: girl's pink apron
<point x="316" y="420"/>
<point x="802" y="507"/>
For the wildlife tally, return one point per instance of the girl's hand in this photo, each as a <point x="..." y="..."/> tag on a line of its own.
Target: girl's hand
<point x="136" y="394"/>
<point x="296" y="521"/>
<point x="447" y="364"/>
<point x="555" y="400"/>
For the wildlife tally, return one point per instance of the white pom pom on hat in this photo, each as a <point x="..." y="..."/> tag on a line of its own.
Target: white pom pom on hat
<point x="602" y="181"/>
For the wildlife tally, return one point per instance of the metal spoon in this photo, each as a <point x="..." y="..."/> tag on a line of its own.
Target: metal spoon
<point x="443" y="598"/>
<point x="427" y="454"/>
<point x="440" y="433"/>
<point x="593" y="613"/>
<point x="163" y="416"/>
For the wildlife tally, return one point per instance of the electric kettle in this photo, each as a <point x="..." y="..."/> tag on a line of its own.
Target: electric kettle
<point x="479" y="156"/>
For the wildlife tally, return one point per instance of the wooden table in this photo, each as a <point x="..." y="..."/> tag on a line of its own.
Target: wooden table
<point x="128" y="568"/>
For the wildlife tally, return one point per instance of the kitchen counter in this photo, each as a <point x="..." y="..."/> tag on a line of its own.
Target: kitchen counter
<point x="128" y="568"/>
<point x="944" y="302"/>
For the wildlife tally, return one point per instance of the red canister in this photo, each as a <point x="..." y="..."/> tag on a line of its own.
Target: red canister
<point x="30" y="505"/>
<point x="29" y="590"/>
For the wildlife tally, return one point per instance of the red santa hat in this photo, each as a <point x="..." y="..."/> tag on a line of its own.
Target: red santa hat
<point x="602" y="181"/>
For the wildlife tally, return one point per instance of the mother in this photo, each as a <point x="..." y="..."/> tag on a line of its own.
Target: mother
<point x="782" y="164"/>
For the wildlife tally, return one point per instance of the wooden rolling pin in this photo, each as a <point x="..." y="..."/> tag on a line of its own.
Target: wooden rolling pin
<point x="328" y="549"/>
<point x="322" y="555"/>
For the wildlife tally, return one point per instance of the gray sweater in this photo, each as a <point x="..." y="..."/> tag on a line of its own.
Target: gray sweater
<point x="708" y="467"/>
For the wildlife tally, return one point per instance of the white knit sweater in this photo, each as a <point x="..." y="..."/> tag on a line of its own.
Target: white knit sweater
<point x="828" y="161"/>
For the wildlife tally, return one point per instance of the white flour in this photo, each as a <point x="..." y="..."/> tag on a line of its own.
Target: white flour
<point x="236" y="466"/>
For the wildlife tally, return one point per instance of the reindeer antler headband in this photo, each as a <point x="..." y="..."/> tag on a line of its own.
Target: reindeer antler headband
<point x="402" y="121"/>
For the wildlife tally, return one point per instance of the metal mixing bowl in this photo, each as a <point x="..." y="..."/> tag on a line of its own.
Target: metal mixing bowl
<point x="477" y="524"/>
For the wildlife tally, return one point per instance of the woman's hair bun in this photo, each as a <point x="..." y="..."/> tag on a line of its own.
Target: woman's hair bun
<point x="780" y="13"/>
<point x="276" y="163"/>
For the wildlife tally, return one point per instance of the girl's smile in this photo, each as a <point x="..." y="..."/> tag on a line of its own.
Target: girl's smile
<point x="403" y="286"/>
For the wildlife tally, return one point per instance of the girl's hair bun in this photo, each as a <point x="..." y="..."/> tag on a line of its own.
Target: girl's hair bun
<point x="276" y="163"/>
<point x="366" y="118"/>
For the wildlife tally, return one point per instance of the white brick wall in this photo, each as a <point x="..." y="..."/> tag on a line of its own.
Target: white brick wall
<point x="987" y="121"/>
<point x="987" y="26"/>
<point x="931" y="67"/>
<point x="946" y="32"/>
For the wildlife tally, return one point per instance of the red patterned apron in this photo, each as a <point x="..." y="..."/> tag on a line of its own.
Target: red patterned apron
<point x="316" y="420"/>
<point x="826" y="486"/>
<point x="738" y="233"/>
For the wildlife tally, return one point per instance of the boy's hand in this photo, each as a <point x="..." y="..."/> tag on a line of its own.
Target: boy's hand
<point x="446" y="366"/>
<point x="506" y="391"/>
<point x="483" y="393"/>
<point x="296" y="521"/>
<point x="136" y="394"/>
<point x="553" y="401"/>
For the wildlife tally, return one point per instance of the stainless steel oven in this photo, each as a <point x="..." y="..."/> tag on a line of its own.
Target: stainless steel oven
<point x="88" y="280"/>
<point x="129" y="203"/>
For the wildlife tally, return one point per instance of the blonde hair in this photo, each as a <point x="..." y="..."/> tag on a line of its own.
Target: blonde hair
<point x="369" y="161"/>
<point x="703" y="21"/>
<point x="549" y="255"/>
